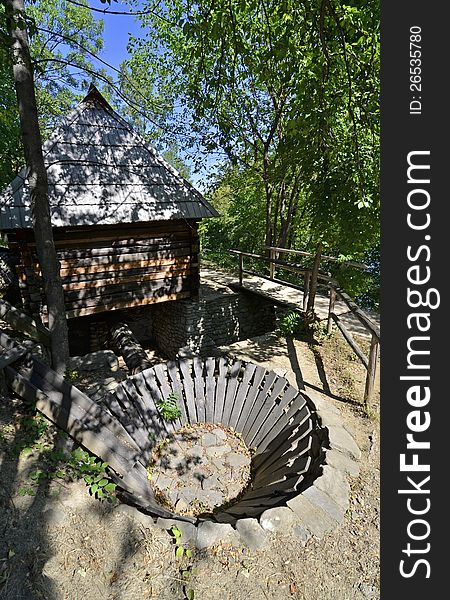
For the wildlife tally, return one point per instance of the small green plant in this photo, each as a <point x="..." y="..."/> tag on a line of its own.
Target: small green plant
<point x="290" y="323"/>
<point x="100" y="487"/>
<point x="319" y="331"/>
<point x="26" y="490"/>
<point x="33" y="429"/>
<point x="180" y="550"/>
<point x="186" y="571"/>
<point x="93" y="471"/>
<point x="70" y="374"/>
<point x="169" y="409"/>
<point x="57" y="464"/>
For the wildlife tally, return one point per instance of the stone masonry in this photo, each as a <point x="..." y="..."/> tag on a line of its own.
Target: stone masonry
<point x="189" y="327"/>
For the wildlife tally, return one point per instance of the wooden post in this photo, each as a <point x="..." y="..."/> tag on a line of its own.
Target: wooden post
<point x="241" y="267"/>
<point x="331" y="309"/>
<point x="313" y="282"/>
<point x="371" y="371"/>
<point x="271" y="264"/>
<point x="306" y="289"/>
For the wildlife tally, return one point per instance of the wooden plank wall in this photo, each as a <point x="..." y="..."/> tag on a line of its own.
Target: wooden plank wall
<point x="111" y="268"/>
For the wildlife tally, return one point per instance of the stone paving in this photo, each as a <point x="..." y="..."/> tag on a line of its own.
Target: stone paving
<point x="199" y="468"/>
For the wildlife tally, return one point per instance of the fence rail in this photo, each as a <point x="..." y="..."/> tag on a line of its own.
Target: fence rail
<point x="310" y="277"/>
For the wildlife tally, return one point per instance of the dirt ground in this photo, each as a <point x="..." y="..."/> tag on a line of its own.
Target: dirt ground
<point x="62" y="544"/>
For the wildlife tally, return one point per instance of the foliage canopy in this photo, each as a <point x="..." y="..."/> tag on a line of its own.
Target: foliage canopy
<point x="287" y="92"/>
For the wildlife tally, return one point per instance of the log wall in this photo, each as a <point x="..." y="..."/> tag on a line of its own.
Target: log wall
<point x="110" y="268"/>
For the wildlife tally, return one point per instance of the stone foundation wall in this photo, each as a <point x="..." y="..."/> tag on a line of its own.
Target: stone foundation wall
<point x="182" y="327"/>
<point x="188" y="327"/>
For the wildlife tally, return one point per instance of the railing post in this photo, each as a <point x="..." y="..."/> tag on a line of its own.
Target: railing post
<point x="371" y="370"/>
<point x="306" y="289"/>
<point x="271" y="265"/>
<point x="313" y="283"/>
<point x="331" y="309"/>
<point x="241" y="267"/>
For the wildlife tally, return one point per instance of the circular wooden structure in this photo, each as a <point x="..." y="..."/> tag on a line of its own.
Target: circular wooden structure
<point x="276" y="420"/>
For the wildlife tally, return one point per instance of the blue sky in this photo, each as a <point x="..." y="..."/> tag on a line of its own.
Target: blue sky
<point x="117" y="30"/>
<point x="116" y="34"/>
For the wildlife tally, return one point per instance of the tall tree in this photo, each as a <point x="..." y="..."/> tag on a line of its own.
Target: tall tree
<point x="64" y="41"/>
<point x="285" y="88"/>
<point x="37" y="181"/>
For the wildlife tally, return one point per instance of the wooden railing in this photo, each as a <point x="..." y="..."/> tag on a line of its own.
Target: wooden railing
<point x="305" y="272"/>
<point x="370" y="362"/>
<point x="308" y="274"/>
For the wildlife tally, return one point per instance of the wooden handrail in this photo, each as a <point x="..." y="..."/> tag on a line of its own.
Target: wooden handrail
<point x="370" y="362"/>
<point x="295" y="268"/>
<point x="350" y="263"/>
<point x="359" y="313"/>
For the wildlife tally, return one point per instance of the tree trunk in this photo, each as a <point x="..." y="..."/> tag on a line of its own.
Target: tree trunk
<point x="269" y="201"/>
<point x="37" y="182"/>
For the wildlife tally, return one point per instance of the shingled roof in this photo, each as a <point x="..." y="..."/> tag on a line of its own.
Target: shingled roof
<point x="101" y="172"/>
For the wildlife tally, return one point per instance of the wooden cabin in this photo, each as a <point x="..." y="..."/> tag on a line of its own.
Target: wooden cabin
<point x="125" y="222"/>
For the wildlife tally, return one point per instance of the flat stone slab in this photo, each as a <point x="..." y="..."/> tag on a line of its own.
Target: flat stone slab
<point x="321" y="500"/>
<point x="102" y="359"/>
<point x="209" y="534"/>
<point x="312" y="517"/>
<point x="251" y="533"/>
<point x="280" y="519"/>
<point x="340" y="439"/>
<point x="334" y="483"/>
<point x="199" y="468"/>
<point x="342" y="462"/>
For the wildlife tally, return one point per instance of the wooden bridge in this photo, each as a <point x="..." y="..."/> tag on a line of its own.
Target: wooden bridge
<point x="333" y="306"/>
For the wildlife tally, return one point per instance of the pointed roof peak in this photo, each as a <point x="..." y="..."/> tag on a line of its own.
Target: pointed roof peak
<point x="101" y="172"/>
<point x="96" y="97"/>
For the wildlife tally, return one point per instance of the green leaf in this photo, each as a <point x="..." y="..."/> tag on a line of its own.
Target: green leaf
<point x="102" y="482"/>
<point x="176" y="532"/>
<point x="189" y="553"/>
<point x="179" y="552"/>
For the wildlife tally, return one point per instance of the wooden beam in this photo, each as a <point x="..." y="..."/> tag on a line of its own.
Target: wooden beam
<point x="348" y="336"/>
<point x="331" y="309"/>
<point x="125" y="343"/>
<point x="295" y="268"/>
<point x="349" y="263"/>
<point x="154" y="245"/>
<point x="81" y="312"/>
<point x="157" y="288"/>
<point x="371" y="370"/>
<point x="124" y="258"/>
<point x="118" y="266"/>
<point x="22" y="322"/>
<point x="359" y="313"/>
<point x="10" y="356"/>
<point x="313" y="282"/>
<point x="122" y="278"/>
